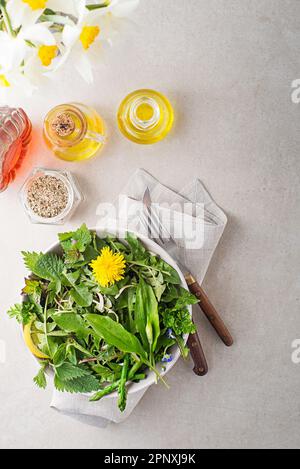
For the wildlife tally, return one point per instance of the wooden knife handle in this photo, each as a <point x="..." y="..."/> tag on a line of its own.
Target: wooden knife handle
<point x="197" y="354"/>
<point x="210" y="311"/>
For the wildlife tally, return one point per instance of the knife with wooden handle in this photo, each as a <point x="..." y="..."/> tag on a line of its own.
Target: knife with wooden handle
<point x="209" y="310"/>
<point x="197" y="354"/>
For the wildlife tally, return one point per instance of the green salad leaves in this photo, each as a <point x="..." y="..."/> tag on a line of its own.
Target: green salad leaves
<point x="98" y="338"/>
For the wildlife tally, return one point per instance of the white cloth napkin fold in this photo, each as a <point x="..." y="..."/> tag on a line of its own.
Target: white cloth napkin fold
<point x="200" y="214"/>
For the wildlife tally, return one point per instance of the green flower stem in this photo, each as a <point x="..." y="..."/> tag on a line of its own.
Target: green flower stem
<point x="6" y="19"/>
<point x="98" y="5"/>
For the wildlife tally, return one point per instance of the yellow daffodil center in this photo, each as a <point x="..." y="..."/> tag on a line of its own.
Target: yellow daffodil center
<point x="88" y="35"/>
<point x="36" y="4"/>
<point x="47" y="54"/>
<point x="109" y="267"/>
<point x="4" y="82"/>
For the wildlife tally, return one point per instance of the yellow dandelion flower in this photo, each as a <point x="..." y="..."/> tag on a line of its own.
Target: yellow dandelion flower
<point x="109" y="267"/>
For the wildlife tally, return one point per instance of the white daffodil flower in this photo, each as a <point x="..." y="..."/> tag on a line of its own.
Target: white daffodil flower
<point x="39" y="36"/>
<point x="21" y="11"/>
<point x="83" y="41"/>
<point x="14" y="84"/>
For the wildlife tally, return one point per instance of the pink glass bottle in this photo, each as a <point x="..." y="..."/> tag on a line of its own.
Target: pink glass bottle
<point x="15" y="134"/>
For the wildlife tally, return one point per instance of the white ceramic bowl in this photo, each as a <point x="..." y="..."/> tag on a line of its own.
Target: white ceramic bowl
<point x="151" y="246"/>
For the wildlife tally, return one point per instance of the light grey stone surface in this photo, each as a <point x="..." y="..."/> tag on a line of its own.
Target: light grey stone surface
<point x="227" y="66"/>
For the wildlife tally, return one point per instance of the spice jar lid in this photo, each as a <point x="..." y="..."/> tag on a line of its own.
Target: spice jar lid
<point x="50" y="196"/>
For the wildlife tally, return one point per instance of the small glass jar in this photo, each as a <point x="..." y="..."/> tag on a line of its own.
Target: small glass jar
<point x="74" y="132"/>
<point x="145" y="116"/>
<point x="50" y="196"/>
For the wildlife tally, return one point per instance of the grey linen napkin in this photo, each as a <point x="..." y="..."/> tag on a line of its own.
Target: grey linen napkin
<point x="202" y="216"/>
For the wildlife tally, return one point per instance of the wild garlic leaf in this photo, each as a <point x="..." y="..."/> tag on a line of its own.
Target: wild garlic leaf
<point x="146" y="314"/>
<point x="115" y="334"/>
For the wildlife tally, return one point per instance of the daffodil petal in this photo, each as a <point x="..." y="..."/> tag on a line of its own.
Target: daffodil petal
<point x="123" y="8"/>
<point x="13" y="51"/>
<point x="62" y="6"/>
<point x="21" y="14"/>
<point x="81" y="10"/>
<point x="84" y="68"/>
<point x="70" y="35"/>
<point x="39" y="34"/>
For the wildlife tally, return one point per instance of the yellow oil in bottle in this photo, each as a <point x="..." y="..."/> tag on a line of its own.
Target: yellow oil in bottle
<point x="74" y="132"/>
<point x="145" y="116"/>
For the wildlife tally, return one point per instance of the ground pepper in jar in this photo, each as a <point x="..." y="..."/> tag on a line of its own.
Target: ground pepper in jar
<point x="47" y="196"/>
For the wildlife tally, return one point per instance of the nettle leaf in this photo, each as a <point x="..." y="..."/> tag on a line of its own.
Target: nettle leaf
<point x="40" y="379"/>
<point x="76" y="240"/>
<point x="33" y="289"/>
<point x="46" y="266"/>
<point x="30" y="259"/>
<point x="67" y="371"/>
<point x="84" y="384"/>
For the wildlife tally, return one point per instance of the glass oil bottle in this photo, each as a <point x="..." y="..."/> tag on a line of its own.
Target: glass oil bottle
<point x="145" y="116"/>
<point x="74" y="132"/>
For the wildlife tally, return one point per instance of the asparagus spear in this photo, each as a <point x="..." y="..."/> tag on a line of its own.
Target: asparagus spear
<point x="122" y="385"/>
<point x="112" y="387"/>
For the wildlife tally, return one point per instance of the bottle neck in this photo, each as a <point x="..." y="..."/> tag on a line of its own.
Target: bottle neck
<point x="145" y="113"/>
<point x="66" y="126"/>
